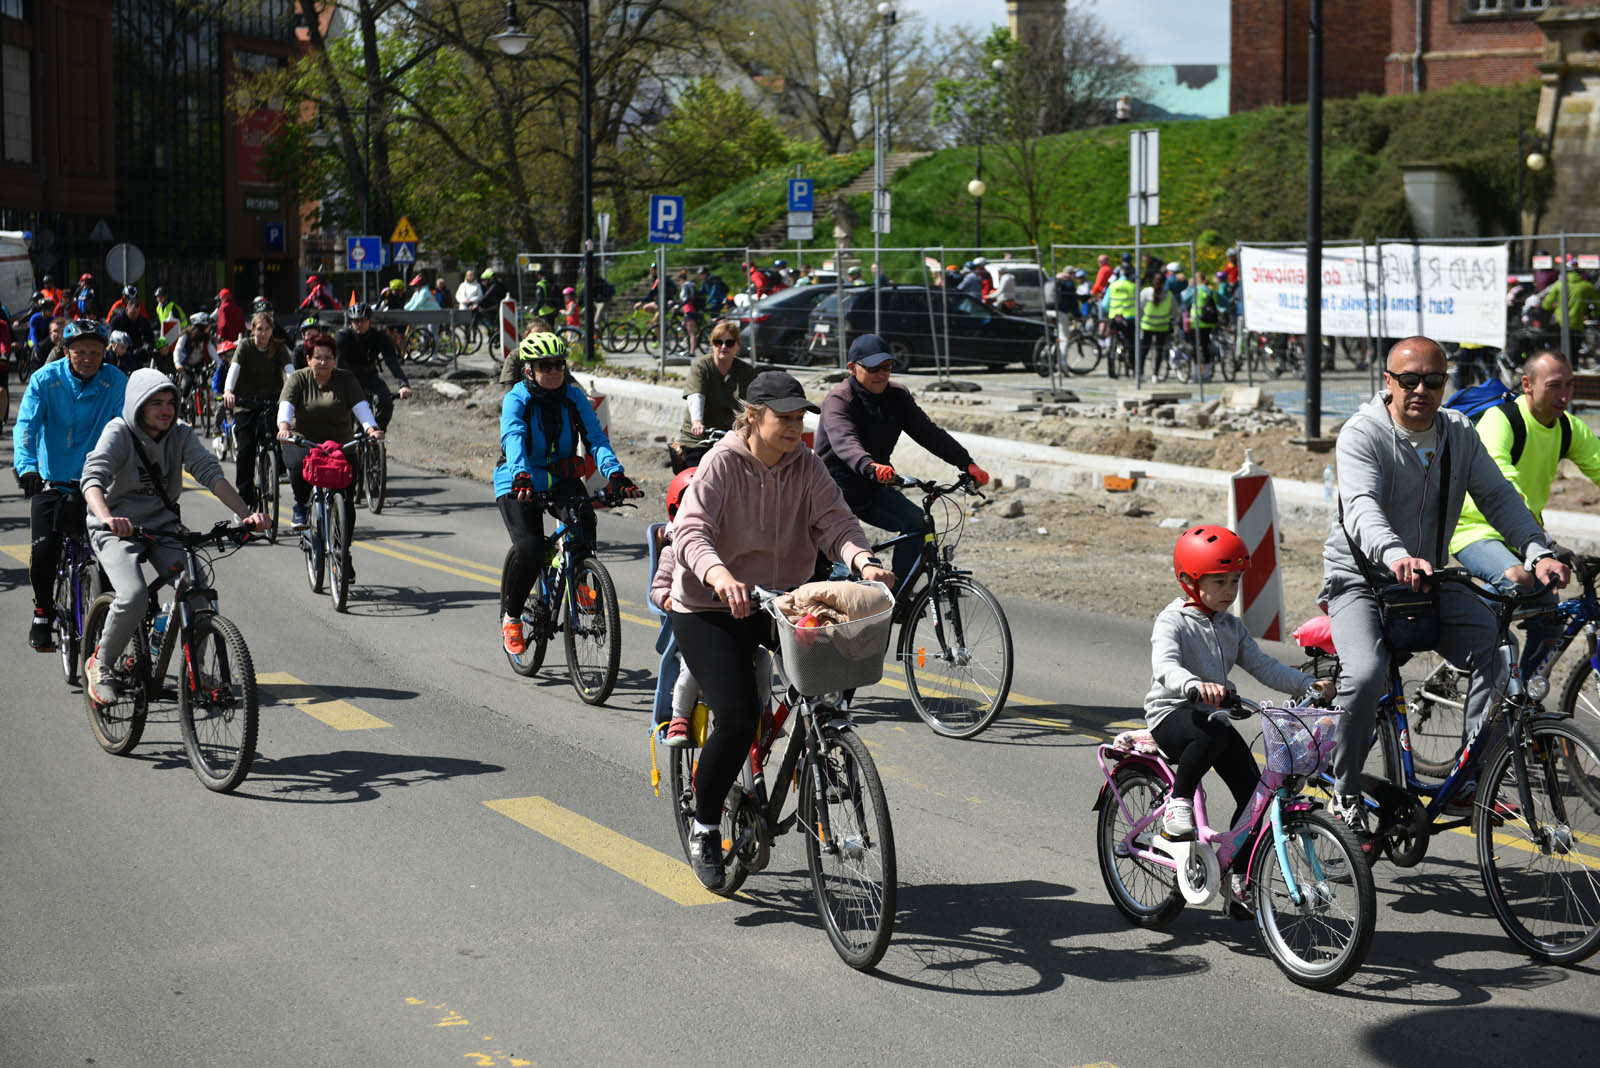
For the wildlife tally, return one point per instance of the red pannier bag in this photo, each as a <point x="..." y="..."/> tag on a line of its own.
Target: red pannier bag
<point x="326" y="466"/>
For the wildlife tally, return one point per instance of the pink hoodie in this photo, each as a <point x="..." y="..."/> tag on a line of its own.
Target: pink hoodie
<point x="763" y="524"/>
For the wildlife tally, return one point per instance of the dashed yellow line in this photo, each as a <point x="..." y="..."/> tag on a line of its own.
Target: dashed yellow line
<point x="318" y="704"/>
<point x="21" y="553"/>
<point x="650" y="868"/>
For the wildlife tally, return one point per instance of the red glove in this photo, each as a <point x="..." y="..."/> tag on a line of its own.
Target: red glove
<point x="883" y="473"/>
<point x="979" y="475"/>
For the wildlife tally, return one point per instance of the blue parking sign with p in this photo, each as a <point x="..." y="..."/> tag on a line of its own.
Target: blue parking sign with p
<point x="666" y="220"/>
<point x="800" y="194"/>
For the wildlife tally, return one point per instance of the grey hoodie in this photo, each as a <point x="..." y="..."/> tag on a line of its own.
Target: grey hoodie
<point x="1392" y="503"/>
<point x="1190" y="646"/>
<point x="114" y="466"/>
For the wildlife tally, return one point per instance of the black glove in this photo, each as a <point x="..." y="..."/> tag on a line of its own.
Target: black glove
<point x="621" y="485"/>
<point x="523" y="482"/>
<point x="32" y="484"/>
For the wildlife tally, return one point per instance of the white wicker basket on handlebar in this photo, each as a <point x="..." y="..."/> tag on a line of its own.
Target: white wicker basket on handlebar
<point x="837" y="656"/>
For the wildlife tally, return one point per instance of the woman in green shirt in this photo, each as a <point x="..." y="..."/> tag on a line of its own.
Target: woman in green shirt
<point x="321" y="403"/>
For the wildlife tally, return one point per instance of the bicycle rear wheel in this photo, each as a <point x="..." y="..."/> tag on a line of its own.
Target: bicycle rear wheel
<point x="338" y="552"/>
<point x="849" y="848"/>
<point x="1541" y="868"/>
<point x="955" y="647"/>
<point x="1143" y="891"/>
<point x="65" y="626"/>
<point x="1082" y="355"/>
<point x="117" y="726"/>
<point x="681" y="778"/>
<point x="217" y="704"/>
<point x="535" y="628"/>
<point x="593" y="632"/>
<point x="1321" y="939"/>
<point x="1580" y="697"/>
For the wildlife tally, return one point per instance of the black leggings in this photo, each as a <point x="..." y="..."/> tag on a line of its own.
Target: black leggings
<point x="53" y="514"/>
<point x="1195" y="743"/>
<point x="718" y="651"/>
<point x="525" y="523"/>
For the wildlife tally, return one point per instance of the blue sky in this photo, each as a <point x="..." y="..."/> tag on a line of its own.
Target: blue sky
<point x="1155" y="31"/>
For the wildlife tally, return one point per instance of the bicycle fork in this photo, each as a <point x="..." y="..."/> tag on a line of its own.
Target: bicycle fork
<point x="1320" y="893"/>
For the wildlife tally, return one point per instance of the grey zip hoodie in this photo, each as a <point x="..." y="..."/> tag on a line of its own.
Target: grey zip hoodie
<point x="1392" y="504"/>
<point x="114" y="466"/>
<point x="1189" y="646"/>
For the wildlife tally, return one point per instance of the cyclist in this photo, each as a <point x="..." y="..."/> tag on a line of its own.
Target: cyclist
<point x="1206" y="309"/>
<point x="321" y="403"/>
<point x="1527" y="437"/>
<point x="468" y="292"/>
<point x="194" y="354"/>
<point x="862" y="420"/>
<point x="129" y="316"/>
<point x="261" y="365"/>
<point x="1155" y="319"/>
<point x="361" y="350"/>
<point x="229" y="316"/>
<point x="689" y="303"/>
<point x="132" y="477"/>
<point x="52" y="295"/>
<point x="422" y="298"/>
<point x="49" y="347"/>
<point x="119" y="350"/>
<point x="63" y="410"/>
<point x="542" y="420"/>
<point x="571" y="310"/>
<point x="488" y="305"/>
<point x="309" y="327"/>
<point x="1193" y="647"/>
<point x="1118" y="305"/>
<point x="167" y="311"/>
<point x="394" y="296"/>
<point x="318" y="296"/>
<point x="86" y="300"/>
<point x="1398" y="504"/>
<point x="761" y="510"/>
<point x="713" y="290"/>
<point x="971" y="281"/>
<point x="714" y="395"/>
<point x="1102" y="276"/>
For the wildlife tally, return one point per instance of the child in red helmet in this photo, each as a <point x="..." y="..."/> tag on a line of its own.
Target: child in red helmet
<point x="1193" y="647"/>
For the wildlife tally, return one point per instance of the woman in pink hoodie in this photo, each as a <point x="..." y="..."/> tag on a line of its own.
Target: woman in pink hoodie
<point x="757" y="513"/>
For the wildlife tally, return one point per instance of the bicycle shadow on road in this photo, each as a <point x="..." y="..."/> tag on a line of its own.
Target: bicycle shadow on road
<point x="1492" y="1035"/>
<point x="350" y="775"/>
<point x="1058" y="724"/>
<point x="377" y="600"/>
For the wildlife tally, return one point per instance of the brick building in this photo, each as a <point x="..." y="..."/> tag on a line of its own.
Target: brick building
<point x="1371" y="46"/>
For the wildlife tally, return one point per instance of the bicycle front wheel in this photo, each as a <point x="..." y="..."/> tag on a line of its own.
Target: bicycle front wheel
<point x="267" y="488"/>
<point x="593" y="632"/>
<point x="1321" y="938"/>
<point x="1143" y="891"/>
<point x="66" y="626"/>
<point x="118" y="725"/>
<point x="338" y="552"/>
<point x="1436" y="695"/>
<point x="375" y="471"/>
<point x="1082" y="356"/>
<point x="217" y="704"/>
<point x="1541" y="866"/>
<point x="849" y="848"/>
<point x="956" y="652"/>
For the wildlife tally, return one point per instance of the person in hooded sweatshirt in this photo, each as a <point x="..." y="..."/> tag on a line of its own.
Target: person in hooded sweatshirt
<point x="145" y="448"/>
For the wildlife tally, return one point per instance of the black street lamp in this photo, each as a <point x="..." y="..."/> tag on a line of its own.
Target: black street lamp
<point x="1530" y="142"/>
<point x="977" y="187"/>
<point x="513" y="42"/>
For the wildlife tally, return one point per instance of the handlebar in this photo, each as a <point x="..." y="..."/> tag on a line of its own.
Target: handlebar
<point x="964" y="483"/>
<point x="1516" y="599"/>
<point x="224" y="530"/>
<point x="298" y="439"/>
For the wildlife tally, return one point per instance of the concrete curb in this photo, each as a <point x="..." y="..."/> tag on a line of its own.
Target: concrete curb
<point x="644" y="404"/>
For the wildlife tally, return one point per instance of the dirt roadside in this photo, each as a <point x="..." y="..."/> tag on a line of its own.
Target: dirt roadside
<point x="1109" y="552"/>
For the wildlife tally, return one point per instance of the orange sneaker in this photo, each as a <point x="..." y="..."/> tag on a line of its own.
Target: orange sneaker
<point x="511" y="635"/>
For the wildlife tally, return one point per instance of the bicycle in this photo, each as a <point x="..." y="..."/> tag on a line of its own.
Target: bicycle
<point x="79" y="581"/>
<point x="1077" y="352"/>
<point x="1536" y="800"/>
<point x="948" y="622"/>
<point x="1311" y="891"/>
<point x="371" y="462"/>
<point x="218" y="711"/>
<point x="328" y="534"/>
<point x="196" y="400"/>
<point x="268" y="480"/>
<point x="574" y="597"/>
<point x="839" y="798"/>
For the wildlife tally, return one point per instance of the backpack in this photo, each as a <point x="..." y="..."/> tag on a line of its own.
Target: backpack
<point x="1493" y="393"/>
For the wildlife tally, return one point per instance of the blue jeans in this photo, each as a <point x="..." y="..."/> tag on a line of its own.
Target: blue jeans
<point x="891" y="510"/>
<point x="1489" y="560"/>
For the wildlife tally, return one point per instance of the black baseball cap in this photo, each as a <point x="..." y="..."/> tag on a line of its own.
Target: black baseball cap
<point x="869" y="351"/>
<point x="780" y="391"/>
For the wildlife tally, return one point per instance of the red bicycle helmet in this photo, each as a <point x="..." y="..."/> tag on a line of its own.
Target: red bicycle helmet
<point x="1207" y="550"/>
<point x="675" y="488"/>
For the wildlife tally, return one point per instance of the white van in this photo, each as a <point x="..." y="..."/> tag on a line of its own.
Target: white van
<point x="1030" y="284"/>
<point x="16" y="272"/>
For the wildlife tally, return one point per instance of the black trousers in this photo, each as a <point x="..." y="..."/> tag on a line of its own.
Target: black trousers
<point x="383" y="409"/>
<point x="53" y="514"/>
<point x="718" y="651"/>
<point x="1196" y="743"/>
<point x="250" y="422"/>
<point x="524" y="521"/>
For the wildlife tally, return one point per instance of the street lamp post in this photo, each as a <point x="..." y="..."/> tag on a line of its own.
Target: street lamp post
<point x="886" y="14"/>
<point x="977" y="187"/>
<point x="513" y="42"/>
<point x="1534" y="161"/>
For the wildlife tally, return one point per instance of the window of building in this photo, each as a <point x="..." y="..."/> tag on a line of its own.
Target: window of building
<point x="16" y="89"/>
<point x="1474" y="9"/>
<point x="12" y="9"/>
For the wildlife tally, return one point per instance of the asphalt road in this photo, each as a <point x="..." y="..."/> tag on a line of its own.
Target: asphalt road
<point x="435" y="862"/>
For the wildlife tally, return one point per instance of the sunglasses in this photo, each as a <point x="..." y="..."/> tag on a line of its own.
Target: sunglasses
<point x="549" y="365"/>
<point x="724" y="342"/>
<point x="1410" y="379"/>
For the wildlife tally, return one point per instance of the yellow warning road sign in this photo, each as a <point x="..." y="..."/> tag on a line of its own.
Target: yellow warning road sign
<point x="403" y="231"/>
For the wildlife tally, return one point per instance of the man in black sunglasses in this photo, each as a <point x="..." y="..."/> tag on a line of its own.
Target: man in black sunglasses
<point x="714" y="395"/>
<point x="1404" y="467"/>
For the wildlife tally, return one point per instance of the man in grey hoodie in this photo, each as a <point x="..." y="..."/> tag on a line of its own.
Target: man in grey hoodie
<point x="1404" y="466"/>
<point x="129" y="478"/>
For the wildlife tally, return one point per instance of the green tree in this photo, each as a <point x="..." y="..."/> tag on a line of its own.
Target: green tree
<point x="713" y="138"/>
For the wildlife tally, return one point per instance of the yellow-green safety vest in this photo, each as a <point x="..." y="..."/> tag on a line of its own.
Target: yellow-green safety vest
<point x="1122" y="294"/>
<point x="1157" y="317"/>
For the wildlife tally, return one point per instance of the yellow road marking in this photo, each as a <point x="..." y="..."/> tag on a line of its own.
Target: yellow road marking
<point x="319" y="705"/>
<point x="409" y="547"/>
<point x="650" y="868"/>
<point x="20" y="553"/>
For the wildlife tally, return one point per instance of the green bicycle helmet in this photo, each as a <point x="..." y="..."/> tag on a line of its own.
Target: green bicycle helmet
<point x="542" y="347"/>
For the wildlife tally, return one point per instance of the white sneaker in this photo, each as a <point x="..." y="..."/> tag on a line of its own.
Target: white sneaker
<point x="101" y="689"/>
<point x="1177" y="822"/>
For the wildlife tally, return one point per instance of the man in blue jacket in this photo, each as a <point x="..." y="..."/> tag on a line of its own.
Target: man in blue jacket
<point x="66" y="405"/>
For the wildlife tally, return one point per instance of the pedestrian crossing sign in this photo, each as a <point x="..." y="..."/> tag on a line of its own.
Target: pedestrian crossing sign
<point x="404" y="252"/>
<point x="403" y="232"/>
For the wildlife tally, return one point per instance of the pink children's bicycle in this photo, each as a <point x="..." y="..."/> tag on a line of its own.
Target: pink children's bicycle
<point x="1307" y="884"/>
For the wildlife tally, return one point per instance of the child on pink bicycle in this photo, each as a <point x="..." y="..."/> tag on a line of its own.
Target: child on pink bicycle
<point x="1193" y="647"/>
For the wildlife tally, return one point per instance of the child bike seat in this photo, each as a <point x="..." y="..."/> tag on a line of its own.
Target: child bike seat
<point x="1315" y="635"/>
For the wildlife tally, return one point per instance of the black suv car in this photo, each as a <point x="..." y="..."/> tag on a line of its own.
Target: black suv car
<point x="776" y="329"/>
<point x="912" y="316"/>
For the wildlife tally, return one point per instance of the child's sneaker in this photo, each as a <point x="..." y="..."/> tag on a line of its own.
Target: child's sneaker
<point x="1178" y="821"/>
<point x="677" y="733"/>
<point x="101" y="689"/>
<point x="1234" y="887"/>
